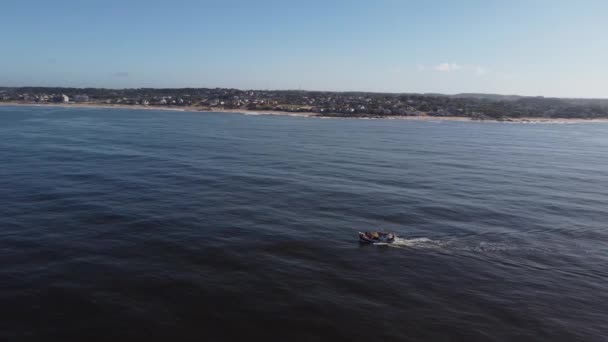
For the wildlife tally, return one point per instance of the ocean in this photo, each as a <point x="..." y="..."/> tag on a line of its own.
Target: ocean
<point x="144" y="225"/>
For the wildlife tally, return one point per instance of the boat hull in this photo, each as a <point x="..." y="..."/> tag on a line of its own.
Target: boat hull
<point x="383" y="238"/>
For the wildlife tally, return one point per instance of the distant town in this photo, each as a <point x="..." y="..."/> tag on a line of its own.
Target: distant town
<point x="321" y="103"/>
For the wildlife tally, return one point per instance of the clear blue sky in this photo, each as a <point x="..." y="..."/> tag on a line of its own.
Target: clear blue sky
<point x="551" y="48"/>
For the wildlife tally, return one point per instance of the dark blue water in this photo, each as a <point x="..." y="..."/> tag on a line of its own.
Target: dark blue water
<point x="148" y="225"/>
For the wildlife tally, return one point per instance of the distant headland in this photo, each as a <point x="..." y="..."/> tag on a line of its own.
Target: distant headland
<point x="320" y="103"/>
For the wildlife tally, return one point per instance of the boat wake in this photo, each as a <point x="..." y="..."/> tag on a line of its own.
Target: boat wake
<point x="459" y="246"/>
<point x="416" y="243"/>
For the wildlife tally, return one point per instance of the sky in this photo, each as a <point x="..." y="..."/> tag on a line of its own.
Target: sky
<point x="535" y="47"/>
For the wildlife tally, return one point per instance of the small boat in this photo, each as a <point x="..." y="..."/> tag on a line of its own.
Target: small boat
<point x="376" y="237"/>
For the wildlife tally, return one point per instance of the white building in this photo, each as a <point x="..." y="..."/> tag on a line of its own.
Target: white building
<point x="65" y="98"/>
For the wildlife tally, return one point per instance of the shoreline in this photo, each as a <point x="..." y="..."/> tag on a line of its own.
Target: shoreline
<point x="300" y="114"/>
<point x="163" y="108"/>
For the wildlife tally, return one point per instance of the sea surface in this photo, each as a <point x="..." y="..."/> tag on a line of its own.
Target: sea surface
<point x="144" y="225"/>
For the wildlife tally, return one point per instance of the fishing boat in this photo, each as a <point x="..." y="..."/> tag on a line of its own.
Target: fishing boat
<point x="376" y="237"/>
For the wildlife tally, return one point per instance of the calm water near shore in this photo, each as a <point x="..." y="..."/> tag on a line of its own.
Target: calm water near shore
<point x="154" y="225"/>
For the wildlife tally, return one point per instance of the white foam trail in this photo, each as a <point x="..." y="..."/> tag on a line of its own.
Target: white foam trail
<point x="456" y="246"/>
<point x="416" y="242"/>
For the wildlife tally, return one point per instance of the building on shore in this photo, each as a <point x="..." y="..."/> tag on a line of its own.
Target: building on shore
<point x="81" y="98"/>
<point x="55" y="98"/>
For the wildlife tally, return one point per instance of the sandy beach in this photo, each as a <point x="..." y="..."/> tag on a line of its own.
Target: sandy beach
<point x="301" y="114"/>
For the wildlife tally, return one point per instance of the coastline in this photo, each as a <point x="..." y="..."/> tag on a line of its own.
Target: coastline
<point x="163" y="108"/>
<point x="301" y="114"/>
